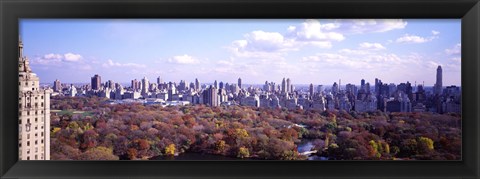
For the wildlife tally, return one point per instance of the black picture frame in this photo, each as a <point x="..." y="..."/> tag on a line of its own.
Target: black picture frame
<point x="12" y="10"/>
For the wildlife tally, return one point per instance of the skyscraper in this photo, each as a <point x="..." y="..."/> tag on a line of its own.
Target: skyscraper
<point x="288" y="85"/>
<point x="34" y="114"/>
<point x="197" y="85"/>
<point x="284" y="86"/>
<point x="362" y="84"/>
<point x="57" y="86"/>
<point x="96" y="82"/>
<point x="210" y="96"/>
<point x="159" y="80"/>
<point x="240" y="83"/>
<point x="311" y="90"/>
<point x="438" y="84"/>
<point x="110" y="84"/>
<point x="145" y="86"/>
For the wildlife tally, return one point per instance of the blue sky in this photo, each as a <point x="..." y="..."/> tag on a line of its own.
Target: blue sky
<point x="318" y="51"/>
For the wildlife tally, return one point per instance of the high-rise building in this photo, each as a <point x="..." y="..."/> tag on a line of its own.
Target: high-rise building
<point x="182" y="86"/>
<point x="57" y="86"/>
<point x="210" y="96"/>
<point x="159" y="80"/>
<point x="34" y="114"/>
<point x="110" y="84"/>
<point x="284" y="86"/>
<point x="288" y="85"/>
<point x="220" y="85"/>
<point x="311" y="89"/>
<point x="362" y="85"/>
<point x="197" y="84"/>
<point x="438" y="84"/>
<point x="134" y="85"/>
<point x="215" y="84"/>
<point x="240" y="83"/>
<point x="96" y="82"/>
<point x="145" y="86"/>
<point x="335" y="88"/>
<point x="367" y="87"/>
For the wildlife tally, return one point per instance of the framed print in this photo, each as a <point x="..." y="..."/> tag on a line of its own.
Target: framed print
<point x="224" y="89"/>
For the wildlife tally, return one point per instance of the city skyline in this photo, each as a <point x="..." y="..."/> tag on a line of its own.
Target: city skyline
<point x="306" y="51"/>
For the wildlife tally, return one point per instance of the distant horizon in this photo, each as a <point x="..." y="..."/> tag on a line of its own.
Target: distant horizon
<point x="307" y="51"/>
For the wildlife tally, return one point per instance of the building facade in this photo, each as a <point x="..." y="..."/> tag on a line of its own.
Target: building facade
<point x="34" y="114"/>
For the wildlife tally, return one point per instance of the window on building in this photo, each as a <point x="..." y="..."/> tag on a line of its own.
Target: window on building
<point x="28" y="158"/>
<point x="42" y="134"/>
<point x="42" y="104"/>
<point x="36" y="134"/>
<point x="20" y="121"/>
<point x="36" y="104"/>
<point x="36" y="149"/>
<point x="28" y="112"/>
<point x="36" y="119"/>
<point x="36" y="98"/>
<point x="28" y="143"/>
<point x="42" y="141"/>
<point x="19" y="113"/>
<point x="28" y="120"/>
<point x="36" y="157"/>
<point x="42" y="127"/>
<point x="26" y="83"/>
<point x="42" y="97"/>
<point x="19" y="144"/>
<point x="36" y="112"/>
<point x="28" y="151"/>
<point x="28" y="136"/>
<point x="19" y="105"/>
<point x="36" y="127"/>
<point x="36" y="142"/>
<point x="27" y="127"/>
<point x="42" y="112"/>
<point x="33" y="89"/>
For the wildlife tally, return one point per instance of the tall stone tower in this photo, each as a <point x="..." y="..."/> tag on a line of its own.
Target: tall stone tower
<point x="34" y="113"/>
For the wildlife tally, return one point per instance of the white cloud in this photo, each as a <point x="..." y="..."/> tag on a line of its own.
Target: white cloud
<point x="184" y="59"/>
<point x="456" y="50"/>
<point x="434" y="32"/>
<point x="407" y="38"/>
<point x="354" y="51"/>
<point x="72" y="57"/>
<point x="312" y="30"/>
<point x="372" y="46"/>
<point x="52" y="56"/>
<point x="264" y="41"/>
<point x="57" y="59"/>
<point x="111" y="63"/>
<point x="360" y="26"/>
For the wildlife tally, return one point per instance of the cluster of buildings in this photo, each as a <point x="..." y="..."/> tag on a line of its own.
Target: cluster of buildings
<point x="382" y="96"/>
<point x="34" y="102"/>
